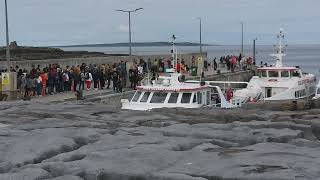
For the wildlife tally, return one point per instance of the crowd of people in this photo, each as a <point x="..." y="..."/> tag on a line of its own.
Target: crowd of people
<point x="41" y="81"/>
<point x="232" y="62"/>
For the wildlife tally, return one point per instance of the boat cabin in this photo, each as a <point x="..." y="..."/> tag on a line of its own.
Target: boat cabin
<point x="283" y="72"/>
<point x="168" y="92"/>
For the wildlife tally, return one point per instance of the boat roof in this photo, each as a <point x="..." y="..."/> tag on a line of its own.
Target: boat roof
<point x="278" y="68"/>
<point x="173" y="88"/>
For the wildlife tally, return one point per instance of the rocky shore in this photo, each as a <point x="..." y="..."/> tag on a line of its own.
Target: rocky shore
<point x="90" y="141"/>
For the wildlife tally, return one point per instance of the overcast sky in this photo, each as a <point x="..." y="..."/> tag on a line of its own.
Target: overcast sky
<point x="65" y="22"/>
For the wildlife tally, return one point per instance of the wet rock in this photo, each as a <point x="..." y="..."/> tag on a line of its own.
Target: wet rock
<point x="95" y="141"/>
<point x="26" y="174"/>
<point x="67" y="177"/>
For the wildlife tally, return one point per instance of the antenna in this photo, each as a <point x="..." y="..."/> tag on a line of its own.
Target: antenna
<point x="174" y="53"/>
<point x="280" y="52"/>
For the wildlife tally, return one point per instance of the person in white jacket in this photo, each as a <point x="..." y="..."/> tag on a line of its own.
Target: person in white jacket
<point x="89" y="79"/>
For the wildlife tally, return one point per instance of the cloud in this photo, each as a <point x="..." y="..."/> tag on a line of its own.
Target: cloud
<point x="52" y="22"/>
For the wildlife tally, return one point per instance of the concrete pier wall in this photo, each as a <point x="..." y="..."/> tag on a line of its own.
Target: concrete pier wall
<point x="95" y="60"/>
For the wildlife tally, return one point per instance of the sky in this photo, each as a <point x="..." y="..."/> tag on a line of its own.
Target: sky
<point x="69" y="22"/>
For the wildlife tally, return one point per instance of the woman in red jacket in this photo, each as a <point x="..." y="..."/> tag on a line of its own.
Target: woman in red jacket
<point x="44" y="78"/>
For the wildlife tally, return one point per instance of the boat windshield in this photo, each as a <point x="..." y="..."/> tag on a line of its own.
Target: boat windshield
<point x="273" y="73"/>
<point x="136" y="96"/>
<point x="145" y="97"/>
<point x="284" y="74"/>
<point x="296" y="74"/>
<point x="263" y="73"/>
<point x="186" y="98"/>
<point x="173" y="98"/>
<point x="158" y="97"/>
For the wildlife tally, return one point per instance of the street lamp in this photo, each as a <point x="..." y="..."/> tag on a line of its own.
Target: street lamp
<point x="7" y="34"/>
<point x="242" y="38"/>
<point x="254" y="51"/>
<point x="129" y="13"/>
<point x="200" y="23"/>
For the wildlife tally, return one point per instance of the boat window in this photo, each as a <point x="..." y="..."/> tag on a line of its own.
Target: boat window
<point x="284" y="74"/>
<point x="263" y="73"/>
<point x="295" y="74"/>
<point x="145" y="97"/>
<point x="136" y="96"/>
<point x="199" y="97"/>
<point x="158" y="97"/>
<point x="186" y="98"/>
<point x="318" y="91"/>
<point x="273" y="74"/>
<point x="194" y="98"/>
<point x="173" y="98"/>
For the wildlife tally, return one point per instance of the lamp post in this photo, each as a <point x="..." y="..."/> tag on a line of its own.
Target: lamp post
<point x="254" y="51"/>
<point x="129" y="14"/>
<point x="242" y="38"/>
<point x="200" y="34"/>
<point x="7" y="34"/>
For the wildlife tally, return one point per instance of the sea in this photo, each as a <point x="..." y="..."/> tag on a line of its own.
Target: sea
<point x="305" y="56"/>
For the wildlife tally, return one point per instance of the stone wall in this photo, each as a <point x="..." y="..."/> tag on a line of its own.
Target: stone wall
<point x="92" y="60"/>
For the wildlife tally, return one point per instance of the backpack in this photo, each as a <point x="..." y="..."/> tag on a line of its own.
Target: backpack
<point x="87" y="76"/>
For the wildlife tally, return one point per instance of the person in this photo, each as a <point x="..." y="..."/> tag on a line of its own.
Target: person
<point x="59" y="81"/>
<point x="82" y="79"/>
<point x="44" y="78"/>
<point x="88" y="77"/>
<point x="239" y="58"/>
<point x="108" y="76"/>
<point x="115" y="81"/>
<point x="215" y="65"/>
<point x="38" y="85"/>
<point x="34" y="85"/>
<point x="23" y="84"/>
<point x="101" y="76"/>
<point x="52" y="80"/>
<point x="95" y="77"/>
<point x="229" y="94"/>
<point x="205" y="65"/>
<point x="120" y="82"/>
<point x="65" y="79"/>
<point x="233" y="63"/>
<point x="73" y="80"/>
<point x="249" y="62"/>
<point x="28" y="86"/>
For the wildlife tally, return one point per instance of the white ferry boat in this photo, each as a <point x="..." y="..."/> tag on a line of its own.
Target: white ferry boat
<point x="317" y="96"/>
<point x="167" y="91"/>
<point x="279" y="82"/>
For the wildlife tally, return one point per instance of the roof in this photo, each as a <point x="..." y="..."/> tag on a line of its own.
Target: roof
<point x="173" y="88"/>
<point x="278" y="68"/>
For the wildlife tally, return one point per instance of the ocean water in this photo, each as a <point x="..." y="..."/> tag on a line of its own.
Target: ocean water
<point x="305" y="56"/>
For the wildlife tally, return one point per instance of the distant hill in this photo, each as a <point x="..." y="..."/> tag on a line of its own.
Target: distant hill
<point x="38" y="53"/>
<point x="137" y="44"/>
